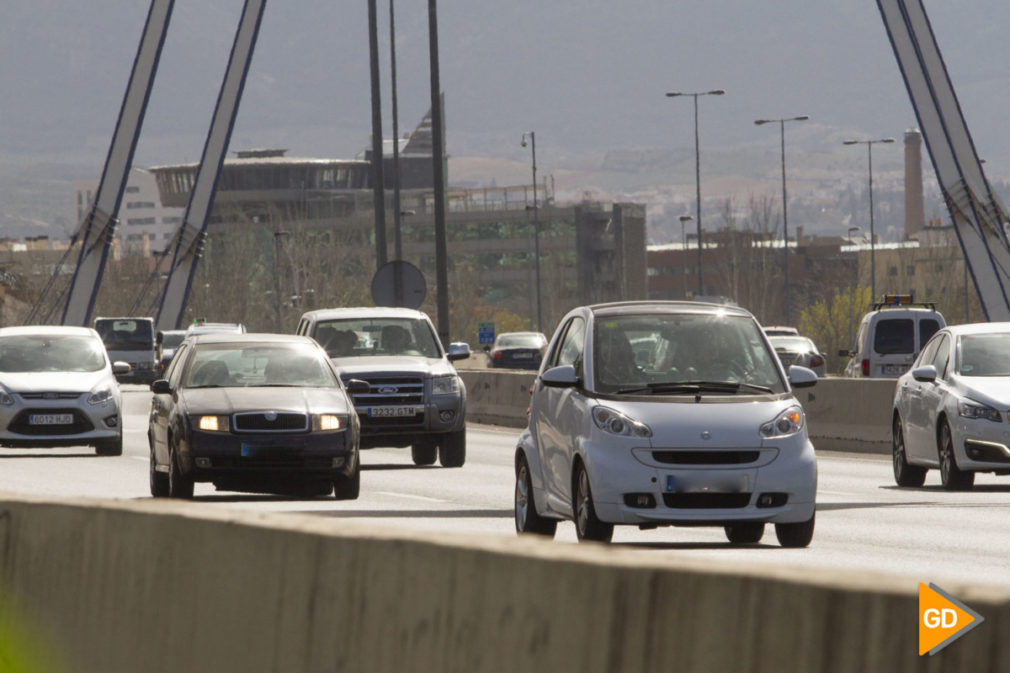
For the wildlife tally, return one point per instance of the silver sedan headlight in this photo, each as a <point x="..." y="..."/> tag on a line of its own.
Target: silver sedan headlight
<point x="445" y="385"/>
<point x="966" y="409"/>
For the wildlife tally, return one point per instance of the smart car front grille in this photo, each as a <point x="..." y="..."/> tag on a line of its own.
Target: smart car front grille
<point x="271" y="422"/>
<point x="706" y="500"/>
<point x="706" y="457"/>
<point x="22" y="424"/>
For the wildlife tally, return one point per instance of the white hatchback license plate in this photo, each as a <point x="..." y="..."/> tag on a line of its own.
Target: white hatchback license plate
<point x="387" y="412"/>
<point x="51" y="419"/>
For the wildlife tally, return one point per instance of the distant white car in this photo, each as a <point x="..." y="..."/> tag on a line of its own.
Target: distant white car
<point x="58" y="388"/>
<point x="705" y="430"/>
<point x="952" y="409"/>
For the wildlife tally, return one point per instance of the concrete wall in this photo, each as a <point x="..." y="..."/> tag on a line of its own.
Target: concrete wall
<point x="842" y="414"/>
<point x="156" y="585"/>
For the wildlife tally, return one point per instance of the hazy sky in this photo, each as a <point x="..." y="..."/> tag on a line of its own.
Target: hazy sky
<point x="587" y="75"/>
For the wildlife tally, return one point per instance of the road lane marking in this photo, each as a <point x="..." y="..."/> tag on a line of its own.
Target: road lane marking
<point x="410" y="497"/>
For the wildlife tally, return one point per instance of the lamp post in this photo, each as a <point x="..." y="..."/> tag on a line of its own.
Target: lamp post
<point x="785" y="220"/>
<point x="536" y="221"/>
<point x="869" y="156"/>
<point x="683" y="248"/>
<point x="697" y="165"/>
<point x="853" y="280"/>
<point x="277" y="279"/>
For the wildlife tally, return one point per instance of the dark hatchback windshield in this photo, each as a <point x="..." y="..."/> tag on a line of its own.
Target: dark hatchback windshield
<point x="248" y="364"/>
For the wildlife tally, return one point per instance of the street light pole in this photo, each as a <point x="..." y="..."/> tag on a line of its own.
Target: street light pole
<point x="853" y="280"/>
<point x="697" y="166"/>
<point x="869" y="156"/>
<point x="683" y="248"/>
<point x="536" y="223"/>
<point x="785" y="219"/>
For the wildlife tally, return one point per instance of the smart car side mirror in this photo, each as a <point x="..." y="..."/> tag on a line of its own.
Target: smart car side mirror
<point x="357" y="387"/>
<point x="560" y="377"/>
<point x="161" y="387"/>
<point x="801" y="377"/>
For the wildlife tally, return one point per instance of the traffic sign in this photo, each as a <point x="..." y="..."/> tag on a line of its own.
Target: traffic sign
<point x="485" y="333"/>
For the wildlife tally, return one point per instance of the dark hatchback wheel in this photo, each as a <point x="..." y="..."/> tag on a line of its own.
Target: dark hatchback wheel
<point x="587" y="525"/>
<point x="179" y="485"/>
<point x="347" y="487"/>
<point x="526" y="517"/>
<point x="952" y="477"/>
<point x="159" y="480"/>
<point x="904" y="474"/>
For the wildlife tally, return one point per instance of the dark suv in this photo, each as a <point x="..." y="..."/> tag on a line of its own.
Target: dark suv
<point x="415" y="396"/>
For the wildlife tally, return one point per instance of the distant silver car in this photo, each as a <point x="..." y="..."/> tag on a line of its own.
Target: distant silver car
<point x="799" y="350"/>
<point x="58" y="388"/>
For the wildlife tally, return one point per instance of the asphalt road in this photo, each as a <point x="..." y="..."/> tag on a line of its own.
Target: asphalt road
<point x="864" y="522"/>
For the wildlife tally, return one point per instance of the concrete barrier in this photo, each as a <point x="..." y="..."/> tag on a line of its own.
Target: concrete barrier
<point x="152" y="586"/>
<point x="842" y="414"/>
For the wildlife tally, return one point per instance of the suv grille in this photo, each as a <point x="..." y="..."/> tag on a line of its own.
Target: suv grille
<point x="389" y="390"/>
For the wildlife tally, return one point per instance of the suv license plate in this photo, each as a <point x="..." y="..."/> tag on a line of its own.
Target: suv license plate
<point x="51" y="419"/>
<point x="386" y="412"/>
<point x="894" y="370"/>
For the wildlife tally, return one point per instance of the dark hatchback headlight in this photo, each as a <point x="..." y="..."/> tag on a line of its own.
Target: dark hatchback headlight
<point x="213" y="423"/>
<point x="329" y="422"/>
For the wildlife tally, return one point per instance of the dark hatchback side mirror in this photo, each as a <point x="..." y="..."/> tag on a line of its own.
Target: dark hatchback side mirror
<point x="357" y="387"/>
<point x="161" y="387"/>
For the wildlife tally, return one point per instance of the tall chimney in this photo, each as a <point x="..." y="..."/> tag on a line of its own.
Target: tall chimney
<point x="914" y="210"/>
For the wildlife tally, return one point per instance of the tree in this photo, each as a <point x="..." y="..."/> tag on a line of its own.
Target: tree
<point x="830" y="323"/>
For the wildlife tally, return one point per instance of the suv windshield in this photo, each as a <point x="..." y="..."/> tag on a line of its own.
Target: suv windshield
<point x="51" y="353"/>
<point x="377" y="336"/>
<point x="127" y="334"/>
<point x="661" y="352"/>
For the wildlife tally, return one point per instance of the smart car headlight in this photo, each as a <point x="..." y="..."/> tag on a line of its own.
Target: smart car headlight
<point x="616" y="423"/>
<point x="967" y="409"/>
<point x="213" y="423"/>
<point x="789" y="422"/>
<point x="99" y="396"/>
<point x="445" y="385"/>
<point x="328" y="422"/>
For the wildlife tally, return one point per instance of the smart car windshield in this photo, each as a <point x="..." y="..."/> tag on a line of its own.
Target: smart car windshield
<point x="51" y="353"/>
<point x="984" y="355"/>
<point x="667" y="353"/>
<point x="236" y="365"/>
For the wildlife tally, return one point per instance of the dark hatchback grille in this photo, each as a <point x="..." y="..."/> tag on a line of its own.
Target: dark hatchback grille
<point x="49" y="396"/>
<point x="706" y="500"/>
<point x="258" y="422"/>
<point x="21" y="424"/>
<point x="706" y="457"/>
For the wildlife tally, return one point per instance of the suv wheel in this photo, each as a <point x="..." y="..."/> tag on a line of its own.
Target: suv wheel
<point x="904" y="473"/>
<point x="952" y="477"/>
<point x="452" y="449"/>
<point x="424" y="452"/>
<point x="587" y="525"/>
<point x="527" y="519"/>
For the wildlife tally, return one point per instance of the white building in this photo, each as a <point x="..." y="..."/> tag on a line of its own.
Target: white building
<point x="145" y="226"/>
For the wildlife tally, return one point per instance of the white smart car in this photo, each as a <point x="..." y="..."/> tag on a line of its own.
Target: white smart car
<point x="706" y="431"/>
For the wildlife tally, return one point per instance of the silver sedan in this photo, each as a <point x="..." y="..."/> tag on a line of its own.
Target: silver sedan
<point x="951" y="408"/>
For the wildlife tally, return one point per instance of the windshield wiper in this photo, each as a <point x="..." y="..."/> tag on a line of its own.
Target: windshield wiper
<point x="693" y="387"/>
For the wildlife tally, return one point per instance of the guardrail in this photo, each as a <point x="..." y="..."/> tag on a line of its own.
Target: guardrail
<point x="164" y="586"/>
<point x="843" y="414"/>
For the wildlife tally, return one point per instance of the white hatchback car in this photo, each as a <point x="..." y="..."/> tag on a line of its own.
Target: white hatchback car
<point x="706" y="432"/>
<point x="57" y="388"/>
<point x="951" y="411"/>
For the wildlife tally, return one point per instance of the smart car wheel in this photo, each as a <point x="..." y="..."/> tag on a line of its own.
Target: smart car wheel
<point x="179" y="485"/>
<point x="904" y="473"/>
<point x="347" y="487"/>
<point x="795" y="534"/>
<point x="159" y="480"/>
<point x="745" y="532"/>
<point x="587" y="525"/>
<point x="424" y="452"/>
<point x="527" y="519"/>
<point x="952" y="477"/>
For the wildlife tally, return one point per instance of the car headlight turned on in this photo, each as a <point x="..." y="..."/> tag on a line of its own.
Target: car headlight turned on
<point x="789" y="422"/>
<point x="967" y="409"/>
<point x="328" y="422"/>
<point x="616" y="423"/>
<point x="99" y="396"/>
<point x="445" y="385"/>
<point x="213" y="423"/>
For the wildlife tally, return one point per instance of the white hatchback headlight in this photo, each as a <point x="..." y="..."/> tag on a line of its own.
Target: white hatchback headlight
<point x="6" y="399"/>
<point x="967" y="409"/>
<point x="99" y="396"/>
<point x="616" y="423"/>
<point x="789" y="422"/>
<point x="445" y="385"/>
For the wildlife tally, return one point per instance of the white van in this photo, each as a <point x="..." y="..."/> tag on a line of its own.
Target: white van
<point x="891" y="336"/>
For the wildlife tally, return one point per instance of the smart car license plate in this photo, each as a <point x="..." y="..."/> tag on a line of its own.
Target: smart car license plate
<point x="391" y="412"/>
<point x="51" y="419"/>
